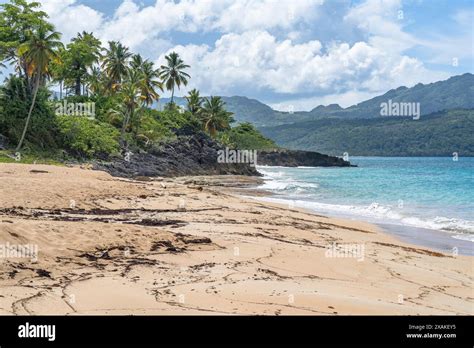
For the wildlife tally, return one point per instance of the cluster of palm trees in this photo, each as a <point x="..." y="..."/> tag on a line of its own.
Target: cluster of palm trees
<point x="87" y="69"/>
<point x="210" y="111"/>
<point x="113" y="71"/>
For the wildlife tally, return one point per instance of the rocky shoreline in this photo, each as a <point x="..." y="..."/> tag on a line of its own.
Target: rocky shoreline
<point x="197" y="154"/>
<point x="298" y="158"/>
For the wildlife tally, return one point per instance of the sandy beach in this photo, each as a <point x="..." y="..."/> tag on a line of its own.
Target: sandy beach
<point x="192" y="245"/>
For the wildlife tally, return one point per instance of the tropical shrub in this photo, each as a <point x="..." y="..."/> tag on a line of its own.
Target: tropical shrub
<point x="246" y="136"/>
<point x="15" y="102"/>
<point x="88" y="138"/>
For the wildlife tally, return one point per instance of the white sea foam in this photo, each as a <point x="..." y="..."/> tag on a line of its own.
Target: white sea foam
<point x="468" y="237"/>
<point x="377" y="213"/>
<point x="286" y="184"/>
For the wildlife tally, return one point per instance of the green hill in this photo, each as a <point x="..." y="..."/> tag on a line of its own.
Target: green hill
<point x="360" y="130"/>
<point x="438" y="134"/>
<point x="455" y="92"/>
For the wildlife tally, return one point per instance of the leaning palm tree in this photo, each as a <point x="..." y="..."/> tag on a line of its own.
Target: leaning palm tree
<point x="194" y="102"/>
<point x="214" y="116"/>
<point x="172" y="73"/>
<point x="114" y="63"/>
<point x="38" y="51"/>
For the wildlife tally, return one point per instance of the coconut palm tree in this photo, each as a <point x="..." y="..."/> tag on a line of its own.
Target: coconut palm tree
<point x="194" y="102"/>
<point x="83" y="52"/>
<point x="149" y="83"/>
<point x="115" y="63"/>
<point x="136" y="62"/>
<point x="173" y="74"/>
<point x="214" y="116"/>
<point x="41" y="47"/>
<point x="95" y="81"/>
<point x="130" y="97"/>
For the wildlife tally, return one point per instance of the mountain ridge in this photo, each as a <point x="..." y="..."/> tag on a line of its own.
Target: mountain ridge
<point x="452" y="93"/>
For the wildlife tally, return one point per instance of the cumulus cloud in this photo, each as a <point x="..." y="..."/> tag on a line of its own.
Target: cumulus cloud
<point x="305" y="50"/>
<point x="256" y="60"/>
<point x="71" y="18"/>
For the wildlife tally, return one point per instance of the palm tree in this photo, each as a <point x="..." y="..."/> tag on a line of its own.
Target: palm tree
<point x="194" y="102"/>
<point x="149" y="83"/>
<point x="84" y="52"/>
<point x="173" y="74"/>
<point x="214" y="116"/>
<point x="130" y="96"/>
<point x="115" y="63"/>
<point x="41" y="47"/>
<point x="136" y="62"/>
<point x="95" y="81"/>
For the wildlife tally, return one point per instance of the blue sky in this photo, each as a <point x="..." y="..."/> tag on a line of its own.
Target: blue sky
<point x="290" y="54"/>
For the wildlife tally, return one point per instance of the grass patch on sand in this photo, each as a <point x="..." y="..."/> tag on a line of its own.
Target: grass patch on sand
<point x="8" y="156"/>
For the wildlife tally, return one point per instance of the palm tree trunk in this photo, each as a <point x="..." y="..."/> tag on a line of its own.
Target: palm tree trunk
<point x="78" y="86"/>
<point x="35" y="93"/>
<point x="124" y="126"/>
<point x="172" y="94"/>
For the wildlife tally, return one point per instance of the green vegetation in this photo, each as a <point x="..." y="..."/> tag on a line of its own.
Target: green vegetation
<point x="438" y="134"/>
<point x="245" y="136"/>
<point x="75" y="61"/>
<point x="87" y="138"/>
<point x="15" y="103"/>
<point x="121" y="85"/>
<point x="53" y="158"/>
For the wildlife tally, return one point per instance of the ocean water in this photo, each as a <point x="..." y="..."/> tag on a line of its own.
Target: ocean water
<point x="430" y="193"/>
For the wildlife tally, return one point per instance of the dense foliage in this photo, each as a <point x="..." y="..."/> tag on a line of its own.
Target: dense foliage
<point x="245" y="136"/>
<point x="14" y="104"/>
<point x="87" y="138"/>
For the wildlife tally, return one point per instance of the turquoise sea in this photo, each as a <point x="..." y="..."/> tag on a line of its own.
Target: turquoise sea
<point x="424" y="200"/>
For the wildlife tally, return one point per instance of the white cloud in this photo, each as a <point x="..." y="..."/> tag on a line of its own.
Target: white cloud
<point x="266" y="14"/>
<point x="134" y="26"/>
<point x="382" y="21"/>
<point x="71" y="18"/>
<point x="274" y="47"/>
<point x="256" y="60"/>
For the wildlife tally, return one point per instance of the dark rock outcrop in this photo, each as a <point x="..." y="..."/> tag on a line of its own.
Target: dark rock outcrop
<point x="194" y="154"/>
<point x="190" y="154"/>
<point x="297" y="158"/>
